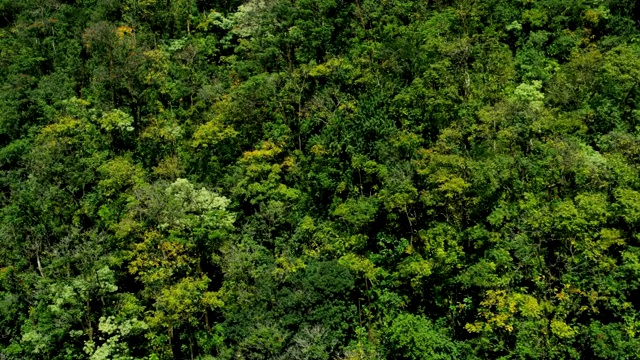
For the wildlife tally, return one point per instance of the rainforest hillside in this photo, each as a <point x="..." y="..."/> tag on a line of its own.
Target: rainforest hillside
<point x="319" y="179"/>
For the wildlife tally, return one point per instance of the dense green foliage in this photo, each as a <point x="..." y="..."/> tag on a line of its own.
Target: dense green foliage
<point x="319" y="179"/>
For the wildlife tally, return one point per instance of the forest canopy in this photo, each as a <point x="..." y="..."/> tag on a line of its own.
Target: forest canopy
<point x="319" y="179"/>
